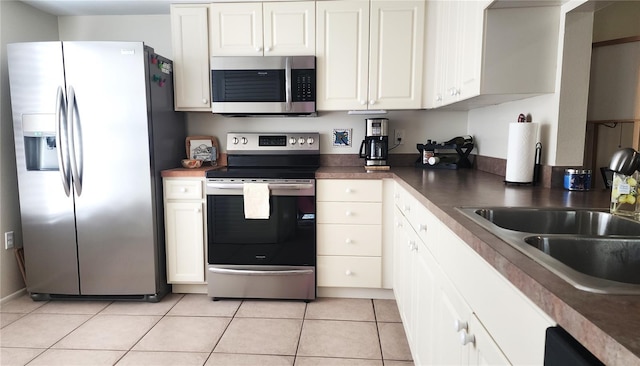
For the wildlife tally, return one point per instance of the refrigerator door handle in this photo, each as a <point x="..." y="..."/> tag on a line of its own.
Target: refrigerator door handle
<point x="61" y="141"/>
<point x="75" y="145"/>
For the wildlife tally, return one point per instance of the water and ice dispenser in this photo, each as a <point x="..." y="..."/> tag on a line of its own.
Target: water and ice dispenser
<point x="40" y="147"/>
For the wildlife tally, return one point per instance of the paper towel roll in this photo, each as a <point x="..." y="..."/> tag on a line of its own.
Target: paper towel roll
<point x="521" y="152"/>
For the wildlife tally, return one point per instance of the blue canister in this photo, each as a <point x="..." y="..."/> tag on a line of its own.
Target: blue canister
<point x="577" y="179"/>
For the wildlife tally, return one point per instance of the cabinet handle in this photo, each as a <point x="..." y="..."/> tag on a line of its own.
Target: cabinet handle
<point x="372" y="102"/>
<point x="407" y="208"/>
<point x="399" y="224"/>
<point x="348" y="272"/>
<point x="459" y="325"/>
<point x="258" y="49"/>
<point x="412" y="245"/>
<point x="348" y="241"/>
<point x="466" y="338"/>
<point x="183" y="190"/>
<point x="267" y="49"/>
<point x="205" y="101"/>
<point x="348" y="213"/>
<point x="363" y="102"/>
<point x="396" y="196"/>
<point x="197" y="210"/>
<point x="423" y="227"/>
<point x="348" y="190"/>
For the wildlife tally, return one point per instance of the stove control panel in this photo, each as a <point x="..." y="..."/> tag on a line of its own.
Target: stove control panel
<point x="265" y="143"/>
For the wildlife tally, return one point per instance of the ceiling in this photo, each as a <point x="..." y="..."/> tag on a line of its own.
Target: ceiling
<point x="106" y="7"/>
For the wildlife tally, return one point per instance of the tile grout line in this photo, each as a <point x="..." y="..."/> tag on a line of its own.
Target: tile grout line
<point x="233" y="316"/>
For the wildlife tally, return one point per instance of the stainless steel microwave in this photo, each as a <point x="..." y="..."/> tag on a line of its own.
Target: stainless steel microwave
<point x="272" y="85"/>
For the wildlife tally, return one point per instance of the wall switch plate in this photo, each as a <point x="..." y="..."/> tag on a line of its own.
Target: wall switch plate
<point x="398" y="138"/>
<point x="8" y="240"/>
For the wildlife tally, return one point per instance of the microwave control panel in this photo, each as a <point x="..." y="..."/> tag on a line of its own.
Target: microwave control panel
<point x="304" y="84"/>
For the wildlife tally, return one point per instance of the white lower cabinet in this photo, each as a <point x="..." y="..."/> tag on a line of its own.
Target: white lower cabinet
<point x="349" y="233"/>
<point x="184" y="210"/>
<point x="456" y="308"/>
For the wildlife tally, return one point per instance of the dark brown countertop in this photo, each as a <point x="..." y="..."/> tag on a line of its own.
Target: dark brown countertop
<point x="188" y="172"/>
<point x="608" y="325"/>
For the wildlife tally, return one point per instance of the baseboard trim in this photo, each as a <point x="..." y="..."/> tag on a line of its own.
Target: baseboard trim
<point x="14" y="295"/>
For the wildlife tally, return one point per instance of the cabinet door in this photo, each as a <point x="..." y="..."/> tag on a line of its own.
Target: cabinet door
<point x="471" y="29"/>
<point x="342" y="54"/>
<point x="184" y="227"/>
<point x="396" y="54"/>
<point x="236" y="29"/>
<point x="401" y="260"/>
<point x="424" y="305"/>
<point x="485" y="351"/>
<point x="450" y="48"/>
<point x="190" y="41"/>
<point x="451" y="311"/>
<point x="289" y="29"/>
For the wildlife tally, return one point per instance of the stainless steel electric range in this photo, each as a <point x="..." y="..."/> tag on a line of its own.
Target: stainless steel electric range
<point x="273" y="256"/>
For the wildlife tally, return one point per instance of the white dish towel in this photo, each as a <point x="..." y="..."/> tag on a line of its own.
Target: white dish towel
<point x="256" y="200"/>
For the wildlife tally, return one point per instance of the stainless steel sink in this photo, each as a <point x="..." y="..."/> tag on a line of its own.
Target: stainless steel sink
<point x="593" y="250"/>
<point x="559" y="221"/>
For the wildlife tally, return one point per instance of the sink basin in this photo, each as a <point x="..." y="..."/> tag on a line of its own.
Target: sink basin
<point x="616" y="259"/>
<point x="560" y="221"/>
<point x="592" y="250"/>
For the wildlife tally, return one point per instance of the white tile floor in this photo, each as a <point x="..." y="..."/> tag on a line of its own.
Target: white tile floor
<point x="193" y="330"/>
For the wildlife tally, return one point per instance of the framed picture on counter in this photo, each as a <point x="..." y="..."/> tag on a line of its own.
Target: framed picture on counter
<point x="203" y="148"/>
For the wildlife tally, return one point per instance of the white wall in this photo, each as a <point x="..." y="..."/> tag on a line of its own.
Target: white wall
<point x="18" y="23"/>
<point x="418" y="125"/>
<point x="153" y="30"/>
<point x="562" y="115"/>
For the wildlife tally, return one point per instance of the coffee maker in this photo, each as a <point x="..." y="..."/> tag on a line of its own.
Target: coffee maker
<point x="374" y="147"/>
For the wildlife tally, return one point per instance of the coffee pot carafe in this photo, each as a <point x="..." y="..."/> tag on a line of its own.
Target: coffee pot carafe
<point x="375" y="146"/>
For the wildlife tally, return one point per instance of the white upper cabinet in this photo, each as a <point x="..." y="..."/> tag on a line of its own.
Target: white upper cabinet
<point x="263" y="29"/>
<point x="369" y="54"/>
<point x="478" y="56"/>
<point x="190" y="41"/>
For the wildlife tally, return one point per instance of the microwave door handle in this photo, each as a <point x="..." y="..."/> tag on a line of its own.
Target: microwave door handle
<point x="287" y="82"/>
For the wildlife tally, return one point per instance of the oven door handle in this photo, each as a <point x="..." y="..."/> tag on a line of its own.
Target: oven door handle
<point x="248" y="272"/>
<point x="238" y="186"/>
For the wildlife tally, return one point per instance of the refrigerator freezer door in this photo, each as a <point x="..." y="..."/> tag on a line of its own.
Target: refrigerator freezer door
<point x="114" y="210"/>
<point x="35" y="75"/>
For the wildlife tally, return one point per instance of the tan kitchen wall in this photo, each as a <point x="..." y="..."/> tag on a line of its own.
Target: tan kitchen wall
<point x="18" y="23"/>
<point x="618" y="20"/>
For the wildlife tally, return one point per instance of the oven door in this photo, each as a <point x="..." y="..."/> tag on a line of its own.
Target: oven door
<point x="261" y="258"/>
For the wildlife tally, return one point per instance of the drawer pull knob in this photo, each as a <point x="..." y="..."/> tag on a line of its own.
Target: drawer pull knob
<point x="348" y="190"/>
<point x="183" y="190"/>
<point x="197" y="210"/>
<point x="423" y="227"/>
<point x="348" y="272"/>
<point x="348" y="241"/>
<point x="348" y="213"/>
<point x="459" y="325"/>
<point x="399" y="224"/>
<point x="467" y="338"/>
<point x="407" y="208"/>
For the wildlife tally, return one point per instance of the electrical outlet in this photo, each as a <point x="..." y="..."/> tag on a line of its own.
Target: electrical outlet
<point x="8" y="240"/>
<point x="398" y="137"/>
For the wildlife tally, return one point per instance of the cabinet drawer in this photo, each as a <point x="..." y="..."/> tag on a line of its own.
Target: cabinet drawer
<point x="349" y="190"/>
<point x="335" y="239"/>
<point x="182" y="189"/>
<point x="349" y="213"/>
<point x="337" y="271"/>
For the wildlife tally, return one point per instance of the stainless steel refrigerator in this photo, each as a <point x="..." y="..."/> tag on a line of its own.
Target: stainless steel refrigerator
<point x="94" y="125"/>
